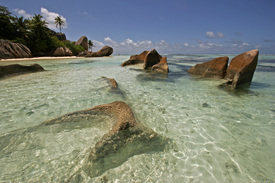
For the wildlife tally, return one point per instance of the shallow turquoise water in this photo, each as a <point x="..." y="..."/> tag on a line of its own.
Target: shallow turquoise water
<point x="219" y="135"/>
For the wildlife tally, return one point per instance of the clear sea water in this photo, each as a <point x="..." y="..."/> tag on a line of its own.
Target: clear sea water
<point x="219" y="135"/>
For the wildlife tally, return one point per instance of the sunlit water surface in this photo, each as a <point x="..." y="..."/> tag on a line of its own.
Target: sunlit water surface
<point x="219" y="135"/>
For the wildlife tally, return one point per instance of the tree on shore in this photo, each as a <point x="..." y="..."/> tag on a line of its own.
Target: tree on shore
<point x="33" y="33"/>
<point x="91" y="45"/>
<point x="7" y="28"/>
<point x="59" y="22"/>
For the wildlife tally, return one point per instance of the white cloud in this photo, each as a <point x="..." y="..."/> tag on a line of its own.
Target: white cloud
<point x="98" y="44"/>
<point x="110" y="41"/>
<point x="186" y="44"/>
<point x="22" y="13"/>
<point x="220" y="34"/>
<point x="210" y="34"/>
<point x="50" y="16"/>
<point x="128" y="42"/>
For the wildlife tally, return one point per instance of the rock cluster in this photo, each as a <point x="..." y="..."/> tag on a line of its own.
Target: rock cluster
<point x="104" y="51"/>
<point x="9" y="49"/>
<point x="240" y="70"/>
<point x="15" y="69"/>
<point x="150" y="59"/>
<point x="62" y="51"/>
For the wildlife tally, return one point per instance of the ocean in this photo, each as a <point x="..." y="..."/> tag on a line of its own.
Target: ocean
<point x="216" y="134"/>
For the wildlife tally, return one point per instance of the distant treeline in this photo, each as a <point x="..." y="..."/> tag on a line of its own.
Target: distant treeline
<point x="32" y="32"/>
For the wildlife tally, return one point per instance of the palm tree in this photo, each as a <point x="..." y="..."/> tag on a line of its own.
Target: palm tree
<point x="38" y="26"/>
<point x="91" y="45"/>
<point x="59" y="22"/>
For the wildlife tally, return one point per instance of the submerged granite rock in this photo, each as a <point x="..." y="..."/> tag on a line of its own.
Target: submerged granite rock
<point x="135" y="59"/>
<point x="9" y="49"/>
<point x="162" y="66"/>
<point x="113" y="83"/>
<point x="127" y="137"/>
<point x="215" y="68"/>
<point x="242" y="67"/>
<point x="83" y="41"/>
<point x="16" y="69"/>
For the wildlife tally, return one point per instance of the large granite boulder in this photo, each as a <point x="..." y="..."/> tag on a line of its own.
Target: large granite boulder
<point x="241" y="68"/>
<point x="127" y="137"/>
<point x="104" y="51"/>
<point x="215" y="68"/>
<point x="162" y="66"/>
<point x="61" y="36"/>
<point x="15" y="69"/>
<point x="135" y="59"/>
<point x="151" y="59"/>
<point x="9" y="49"/>
<point x="83" y="41"/>
<point x="62" y="51"/>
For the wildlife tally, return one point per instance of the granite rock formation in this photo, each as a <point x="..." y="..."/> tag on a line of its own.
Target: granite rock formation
<point x="104" y="51"/>
<point x="242" y="67"/>
<point x="152" y="58"/>
<point x="127" y="137"/>
<point x="9" y="49"/>
<point x="62" y="51"/>
<point x="16" y="69"/>
<point x="215" y="68"/>
<point x="83" y="41"/>
<point x="162" y="66"/>
<point x="61" y="36"/>
<point x="135" y="59"/>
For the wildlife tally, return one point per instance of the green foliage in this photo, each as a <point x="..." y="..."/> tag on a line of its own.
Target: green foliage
<point x="33" y="32"/>
<point x="76" y="49"/>
<point x="7" y="28"/>
<point x="55" y="43"/>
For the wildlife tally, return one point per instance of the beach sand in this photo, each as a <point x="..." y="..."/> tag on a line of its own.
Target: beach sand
<point x="39" y="58"/>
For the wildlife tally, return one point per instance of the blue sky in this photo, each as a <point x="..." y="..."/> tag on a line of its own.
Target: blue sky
<point x="174" y="26"/>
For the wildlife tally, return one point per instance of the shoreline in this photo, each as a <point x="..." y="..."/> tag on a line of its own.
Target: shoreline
<point x="38" y="58"/>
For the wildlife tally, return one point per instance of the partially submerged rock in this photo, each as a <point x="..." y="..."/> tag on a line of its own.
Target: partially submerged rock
<point x="104" y="51"/>
<point x="127" y="137"/>
<point x="83" y="41"/>
<point x="162" y="66"/>
<point x="152" y="58"/>
<point x="9" y="49"/>
<point x="135" y="59"/>
<point x="240" y="71"/>
<point x="15" y="69"/>
<point x="215" y="68"/>
<point x="62" y="51"/>
<point x="242" y="68"/>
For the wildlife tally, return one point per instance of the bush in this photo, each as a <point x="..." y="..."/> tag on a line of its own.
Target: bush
<point x="76" y="49"/>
